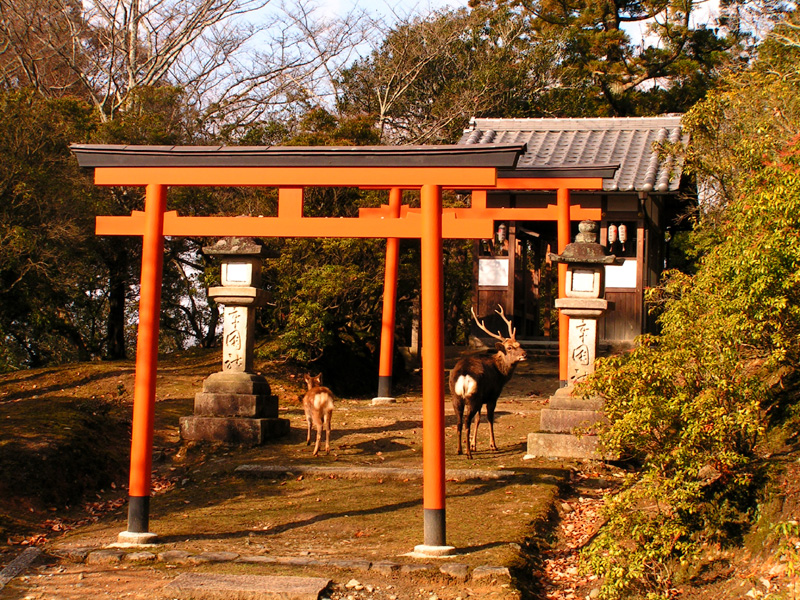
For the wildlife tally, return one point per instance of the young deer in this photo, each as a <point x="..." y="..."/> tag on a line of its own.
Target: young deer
<point x="318" y="406"/>
<point x="478" y="380"/>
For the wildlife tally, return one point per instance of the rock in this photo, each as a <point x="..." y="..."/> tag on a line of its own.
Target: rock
<point x="457" y="571"/>
<point x="140" y="557"/>
<point x="175" y="556"/>
<point x="487" y="572"/>
<point x="104" y="557"/>
<point x="353" y="584"/>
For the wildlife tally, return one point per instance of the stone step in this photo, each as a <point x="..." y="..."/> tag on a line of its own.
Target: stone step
<point x="564" y="445"/>
<point x="228" y="382"/>
<point x="566" y="421"/>
<point x="245" y="587"/>
<point x="232" y="430"/>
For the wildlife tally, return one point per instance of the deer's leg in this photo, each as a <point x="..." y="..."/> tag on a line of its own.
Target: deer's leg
<point x="459" y="410"/>
<point x="490" y="418"/>
<point x="308" y="427"/>
<point x="470" y="415"/>
<point x="318" y="427"/>
<point x="328" y="433"/>
<point x="474" y="440"/>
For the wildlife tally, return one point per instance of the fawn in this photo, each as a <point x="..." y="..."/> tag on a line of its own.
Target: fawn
<point x="318" y="406"/>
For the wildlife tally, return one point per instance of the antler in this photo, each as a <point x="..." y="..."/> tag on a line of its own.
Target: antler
<point x="511" y="329"/>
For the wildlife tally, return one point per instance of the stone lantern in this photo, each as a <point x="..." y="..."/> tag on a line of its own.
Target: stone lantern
<point x="584" y="305"/>
<point x="584" y="302"/>
<point x="236" y="404"/>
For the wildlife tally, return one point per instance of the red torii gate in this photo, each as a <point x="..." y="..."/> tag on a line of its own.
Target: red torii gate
<point x="291" y="169"/>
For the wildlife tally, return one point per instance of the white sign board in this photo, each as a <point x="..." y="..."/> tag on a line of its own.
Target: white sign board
<point x="493" y="271"/>
<point x="621" y="276"/>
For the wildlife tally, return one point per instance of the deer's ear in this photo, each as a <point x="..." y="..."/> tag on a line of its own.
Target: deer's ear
<point x="500" y="347"/>
<point x="307" y="377"/>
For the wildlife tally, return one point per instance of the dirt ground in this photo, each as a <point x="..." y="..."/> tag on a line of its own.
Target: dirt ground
<point x="201" y="504"/>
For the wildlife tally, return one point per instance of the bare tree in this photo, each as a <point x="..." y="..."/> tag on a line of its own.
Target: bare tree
<point x="234" y="59"/>
<point x="430" y="74"/>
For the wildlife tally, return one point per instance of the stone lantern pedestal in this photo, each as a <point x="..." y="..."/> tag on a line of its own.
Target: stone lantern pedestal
<point x="236" y="405"/>
<point x="565" y="427"/>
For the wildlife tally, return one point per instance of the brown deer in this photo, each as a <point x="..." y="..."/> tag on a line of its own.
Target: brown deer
<point x="478" y="379"/>
<point x="318" y="406"/>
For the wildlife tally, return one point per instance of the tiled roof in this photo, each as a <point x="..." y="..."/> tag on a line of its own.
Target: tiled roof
<point x="629" y="141"/>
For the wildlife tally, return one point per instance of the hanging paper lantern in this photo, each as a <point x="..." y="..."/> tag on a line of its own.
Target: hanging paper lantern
<point x="612" y="234"/>
<point x="623" y="233"/>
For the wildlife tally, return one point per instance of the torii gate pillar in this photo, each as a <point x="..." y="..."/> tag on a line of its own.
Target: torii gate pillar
<point x="144" y="392"/>
<point x="432" y="292"/>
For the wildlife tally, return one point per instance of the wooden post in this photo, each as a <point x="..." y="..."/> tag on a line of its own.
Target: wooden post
<point x="563" y="320"/>
<point x="389" y="301"/>
<point x="433" y="479"/>
<point x="144" y="392"/>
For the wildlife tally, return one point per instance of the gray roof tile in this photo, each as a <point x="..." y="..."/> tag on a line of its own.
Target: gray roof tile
<point x="631" y="141"/>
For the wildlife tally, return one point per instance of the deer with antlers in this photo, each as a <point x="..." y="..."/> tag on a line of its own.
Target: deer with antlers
<point x="477" y="380"/>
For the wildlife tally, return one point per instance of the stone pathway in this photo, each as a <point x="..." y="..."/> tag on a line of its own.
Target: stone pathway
<point x="453" y="570"/>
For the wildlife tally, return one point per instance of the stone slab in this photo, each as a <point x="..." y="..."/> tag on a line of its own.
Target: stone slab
<point x="245" y="587"/>
<point x="179" y="557"/>
<point x="351" y="565"/>
<point x="232" y="430"/>
<point x="458" y="571"/>
<point x="229" y="382"/>
<point x="488" y="572"/>
<point x="386" y="567"/>
<point x="224" y="404"/>
<point x="213" y="557"/>
<point x="18" y="565"/>
<point x="136" y="538"/>
<point x="566" y="421"/>
<point x="563" y="445"/>
<point x="105" y="557"/>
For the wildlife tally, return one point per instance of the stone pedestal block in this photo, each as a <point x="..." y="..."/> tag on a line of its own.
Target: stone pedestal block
<point x="565" y="428"/>
<point x="567" y="421"/>
<point x="234" y="408"/>
<point x="232" y="430"/>
<point x="563" y="445"/>
<point x="229" y="382"/>
<point x="254" y="406"/>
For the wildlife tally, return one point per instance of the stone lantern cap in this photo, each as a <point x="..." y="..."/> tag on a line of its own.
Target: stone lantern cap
<point x="585" y="248"/>
<point x="236" y="246"/>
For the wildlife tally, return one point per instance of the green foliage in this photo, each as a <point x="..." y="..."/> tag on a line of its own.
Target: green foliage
<point x="46" y="262"/>
<point x="600" y="70"/>
<point x="689" y="404"/>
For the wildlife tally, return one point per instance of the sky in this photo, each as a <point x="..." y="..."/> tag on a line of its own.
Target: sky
<point x="387" y="8"/>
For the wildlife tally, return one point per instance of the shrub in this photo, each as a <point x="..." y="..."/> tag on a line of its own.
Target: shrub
<point x="688" y="406"/>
